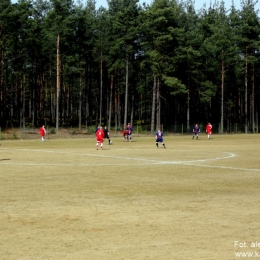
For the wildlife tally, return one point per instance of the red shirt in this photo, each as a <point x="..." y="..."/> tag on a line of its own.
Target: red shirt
<point x="209" y="129"/>
<point x="42" y="131"/>
<point x="100" y="135"/>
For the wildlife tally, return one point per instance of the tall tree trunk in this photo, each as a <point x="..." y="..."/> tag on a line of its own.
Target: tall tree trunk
<point x="188" y="95"/>
<point x="68" y="115"/>
<point x="257" y="125"/>
<point x="116" y="106"/>
<point x="23" y="104"/>
<point x="80" y="100"/>
<point x="158" y="108"/>
<point x="246" y="113"/>
<point x="253" y="98"/>
<point x="86" y="91"/>
<point x="239" y="101"/>
<point x="87" y="112"/>
<point x="188" y="110"/>
<point x="1" y="85"/>
<point x="132" y="110"/>
<point x="145" y="99"/>
<point x="126" y="90"/>
<point x="101" y="85"/>
<point x="153" y="105"/>
<point x="119" y="110"/>
<point x="51" y="103"/>
<point x="41" y="97"/>
<point x="87" y="108"/>
<point x="58" y="82"/>
<point x="222" y="94"/>
<point x="33" y="106"/>
<point x="110" y="102"/>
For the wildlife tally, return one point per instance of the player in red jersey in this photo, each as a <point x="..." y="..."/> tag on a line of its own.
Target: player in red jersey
<point x="209" y="130"/>
<point x="100" y="136"/>
<point x="128" y="132"/>
<point x="42" y="132"/>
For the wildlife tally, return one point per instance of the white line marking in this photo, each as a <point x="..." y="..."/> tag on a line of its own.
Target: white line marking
<point x="141" y="160"/>
<point x="230" y="155"/>
<point x="223" y="167"/>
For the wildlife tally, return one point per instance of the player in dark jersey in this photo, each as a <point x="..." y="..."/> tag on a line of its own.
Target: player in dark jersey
<point x="196" y="130"/>
<point x="107" y="136"/>
<point x="159" y="138"/>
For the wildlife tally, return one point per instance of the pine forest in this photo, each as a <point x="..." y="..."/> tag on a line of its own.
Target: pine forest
<point x="69" y="64"/>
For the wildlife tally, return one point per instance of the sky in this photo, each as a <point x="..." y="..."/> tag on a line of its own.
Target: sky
<point x="198" y="3"/>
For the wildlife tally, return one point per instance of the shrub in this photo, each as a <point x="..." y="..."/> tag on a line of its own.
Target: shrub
<point x="15" y="135"/>
<point x="52" y="131"/>
<point x="91" y="129"/>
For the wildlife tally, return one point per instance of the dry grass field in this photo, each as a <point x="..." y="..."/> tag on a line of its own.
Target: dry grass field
<point x="196" y="199"/>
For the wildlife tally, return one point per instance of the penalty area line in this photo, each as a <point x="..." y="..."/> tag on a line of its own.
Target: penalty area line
<point x="144" y="161"/>
<point x="222" y="167"/>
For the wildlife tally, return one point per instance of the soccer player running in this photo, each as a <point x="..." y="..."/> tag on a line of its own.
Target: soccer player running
<point x="196" y="131"/>
<point x="209" y="130"/>
<point x="128" y="132"/>
<point x="42" y="132"/>
<point x="100" y="137"/>
<point x="159" y="138"/>
<point x="107" y="136"/>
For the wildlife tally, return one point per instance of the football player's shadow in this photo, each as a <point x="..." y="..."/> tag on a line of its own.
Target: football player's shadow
<point x="4" y="159"/>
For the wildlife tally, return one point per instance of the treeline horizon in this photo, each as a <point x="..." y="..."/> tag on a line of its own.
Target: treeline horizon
<point x="66" y="63"/>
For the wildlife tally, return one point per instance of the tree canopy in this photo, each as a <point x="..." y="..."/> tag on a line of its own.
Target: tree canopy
<point x="65" y="63"/>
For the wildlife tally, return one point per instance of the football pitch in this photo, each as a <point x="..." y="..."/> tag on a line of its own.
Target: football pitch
<point x="196" y="199"/>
